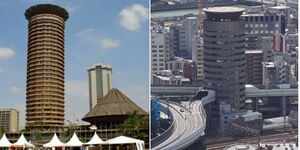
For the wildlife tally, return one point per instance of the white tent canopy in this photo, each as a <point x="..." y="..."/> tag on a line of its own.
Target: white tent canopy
<point x="96" y="140"/>
<point x="4" y="142"/>
<point x="55" y="142"/>
<point x="127" y="140"/>
<point x="22" y="142"/>
<point x="74" y="142"/>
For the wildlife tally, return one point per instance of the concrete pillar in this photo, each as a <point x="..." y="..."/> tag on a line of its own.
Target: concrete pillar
<point x="284" y="109"/>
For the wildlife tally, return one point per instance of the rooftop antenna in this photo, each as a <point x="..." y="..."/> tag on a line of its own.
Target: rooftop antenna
<point x="200" y="18"/>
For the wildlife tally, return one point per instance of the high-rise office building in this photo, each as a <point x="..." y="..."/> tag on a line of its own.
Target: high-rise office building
<point x="224" y="62"/>
<point x="45" y="66"/>
<point x="9" y="120"/>
<point x="265" y="24"/>
<point x="260" y="25"/>
<point x="254" y="60"/>
<point x="99" y="82"/>
<point x="159" y="50"/>
<point x="267" y="46"/>
<point x="181" y="35"/>
<point x="197" y="57"/>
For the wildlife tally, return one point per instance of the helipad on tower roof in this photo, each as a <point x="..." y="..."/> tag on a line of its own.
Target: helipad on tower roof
<point x="224" y="9"/>
<point x="219" y="13"/>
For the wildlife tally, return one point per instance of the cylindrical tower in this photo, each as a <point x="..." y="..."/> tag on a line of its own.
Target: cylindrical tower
<point x="45" y="66"/>
<point x="224" y="60"/>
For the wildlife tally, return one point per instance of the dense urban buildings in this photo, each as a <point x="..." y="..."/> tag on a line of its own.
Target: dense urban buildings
<point x="259" y="25"/>
<point x="115" y="118"/>
<point x="99" y="82"/>
<point x="9" y="120"/>
<point x="182" y="33"/>
<point x="224" y="61"/>
<point x="246" y="53"/>
<point x="45" y="66"/>
<point x="175" y="46"/>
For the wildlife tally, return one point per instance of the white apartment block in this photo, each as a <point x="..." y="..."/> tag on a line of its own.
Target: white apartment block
<point x="159" y="50"/>
<point x="9" y="120"/>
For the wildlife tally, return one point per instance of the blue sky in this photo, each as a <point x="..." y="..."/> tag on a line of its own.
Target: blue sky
<point x="109" y="31"/>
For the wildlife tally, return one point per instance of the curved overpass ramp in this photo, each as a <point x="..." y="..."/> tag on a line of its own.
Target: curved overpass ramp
<point x="189" y="123"/>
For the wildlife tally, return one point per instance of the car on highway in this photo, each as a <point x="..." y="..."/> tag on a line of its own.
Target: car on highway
<point x="181" y="110"/>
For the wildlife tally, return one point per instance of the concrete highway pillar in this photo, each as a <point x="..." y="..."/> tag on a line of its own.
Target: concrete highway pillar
<point x="284" y="109"/>
<point x="255" y="102"/>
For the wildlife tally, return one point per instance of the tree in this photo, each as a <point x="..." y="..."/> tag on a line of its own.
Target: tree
<point x="144" y="126"/>
<point x="68" y="133"/>
<point x="36" y="135"/>
<point x="136" y="125"/>
<point x="2" y="131"/>
<point x="25" y="130"/>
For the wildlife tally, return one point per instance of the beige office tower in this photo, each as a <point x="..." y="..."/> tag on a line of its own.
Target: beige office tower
<point x="99" y="82"/>
<point x="9" y="120"/>
<point x="45" y="66"/>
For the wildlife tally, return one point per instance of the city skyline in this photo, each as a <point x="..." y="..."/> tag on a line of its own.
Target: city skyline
<point x="108" y="39"/>
<point x="215" y="74"/>
<point x="222" y="73"/>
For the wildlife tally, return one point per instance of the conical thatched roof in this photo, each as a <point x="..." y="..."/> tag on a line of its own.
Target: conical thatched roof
<point x="114" y="106"/>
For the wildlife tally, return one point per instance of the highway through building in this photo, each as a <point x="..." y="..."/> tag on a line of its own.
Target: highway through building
<point x="189" y="123"/>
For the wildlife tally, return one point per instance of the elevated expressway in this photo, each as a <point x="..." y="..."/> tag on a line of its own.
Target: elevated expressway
<point x="188" y="124"/>
<point x="261" y="91"/>
<point x="251" y="91"/>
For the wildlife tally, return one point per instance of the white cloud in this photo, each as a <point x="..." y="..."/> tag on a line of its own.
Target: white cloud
<point x="16" y="90"/>
<point x="6" y="53"/>
<point x="109" y="43"/>
<point x="92" y="35"/>
<point x="131" y="17"/>
<point x="85" y="32"/>
<point x="77" y="100"/>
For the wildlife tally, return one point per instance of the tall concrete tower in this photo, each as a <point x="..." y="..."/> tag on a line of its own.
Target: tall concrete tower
<point x="45" y="66"/>
<point x="99" y="82"/>
<point x="224" y="62"/>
